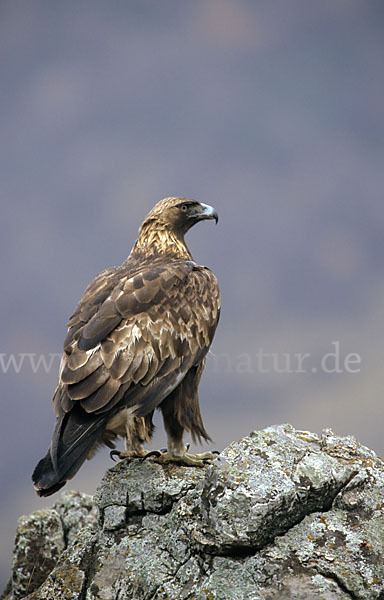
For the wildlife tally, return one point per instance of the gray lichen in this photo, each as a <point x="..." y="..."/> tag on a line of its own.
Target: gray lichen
<point x="281" y="514"/>
<point x="42" y="537"/>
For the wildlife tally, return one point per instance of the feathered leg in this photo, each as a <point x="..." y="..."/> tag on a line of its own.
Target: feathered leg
<point x="181" y="411"/>
<point x="136" y="431"/>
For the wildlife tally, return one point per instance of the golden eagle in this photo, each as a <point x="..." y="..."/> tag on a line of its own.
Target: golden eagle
<point x="137" y="341"/>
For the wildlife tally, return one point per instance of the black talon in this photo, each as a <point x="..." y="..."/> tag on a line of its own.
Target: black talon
<point x="206" y="462"/>
<point x="114" y="453"/>
<point x="215" y="452"/>
<point x="152" y="453"/>
<point x="187" y="446"/>
<point x="163" y="450"/>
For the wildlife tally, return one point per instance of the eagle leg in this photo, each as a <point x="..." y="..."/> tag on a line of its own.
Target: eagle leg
<point x="136" y="431"/>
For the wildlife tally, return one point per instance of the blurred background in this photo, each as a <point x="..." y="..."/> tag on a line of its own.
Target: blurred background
<point x="272" y="112"/>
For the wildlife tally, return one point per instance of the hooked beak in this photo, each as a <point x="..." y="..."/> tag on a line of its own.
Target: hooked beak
<point x="208" y="213"/>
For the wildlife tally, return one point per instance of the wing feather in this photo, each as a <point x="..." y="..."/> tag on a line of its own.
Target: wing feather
<point x="74" y="375"/>
<point x="153" y="368"/>
<point x="102" y="397"/>
<point x="144" y="330"/>
<point x="88" y="385"/>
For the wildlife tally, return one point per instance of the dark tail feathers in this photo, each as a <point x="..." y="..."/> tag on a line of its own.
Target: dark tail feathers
<point x="74" y="436"/>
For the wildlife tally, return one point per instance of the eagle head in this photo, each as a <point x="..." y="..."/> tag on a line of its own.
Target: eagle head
<point x="180" y="214"/>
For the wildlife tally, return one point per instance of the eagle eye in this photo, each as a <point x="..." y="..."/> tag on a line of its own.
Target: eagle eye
<point x="186" y="206"/>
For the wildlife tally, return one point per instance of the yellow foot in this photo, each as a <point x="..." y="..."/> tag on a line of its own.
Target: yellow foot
<point x="191" y="460"/>
<point x="127" y="455"/>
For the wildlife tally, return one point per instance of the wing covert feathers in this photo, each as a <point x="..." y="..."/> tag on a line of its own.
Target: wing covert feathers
<point x="152" y="323"/>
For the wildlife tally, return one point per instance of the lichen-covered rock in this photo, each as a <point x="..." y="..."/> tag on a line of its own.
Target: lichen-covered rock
<point x="42" y="537"/>
<point x="39" y="543"/>
<point x="282" y="514"/>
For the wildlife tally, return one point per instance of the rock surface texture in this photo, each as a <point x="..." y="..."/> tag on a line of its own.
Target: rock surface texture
<point x="283" y="514"/>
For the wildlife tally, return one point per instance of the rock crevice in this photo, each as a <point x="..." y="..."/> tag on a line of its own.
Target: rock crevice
<point x="280" y="514"/>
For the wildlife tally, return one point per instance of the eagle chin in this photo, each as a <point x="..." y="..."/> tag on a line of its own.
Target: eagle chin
<point x="137" y="341"/>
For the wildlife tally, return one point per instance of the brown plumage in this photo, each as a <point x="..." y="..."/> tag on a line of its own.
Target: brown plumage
<point x="136" y="342"/>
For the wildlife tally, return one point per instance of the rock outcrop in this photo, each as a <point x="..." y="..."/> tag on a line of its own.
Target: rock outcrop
<point x="281" y="514"/>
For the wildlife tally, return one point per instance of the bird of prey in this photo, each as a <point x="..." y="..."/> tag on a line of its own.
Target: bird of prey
<point x="137" y="341"/>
